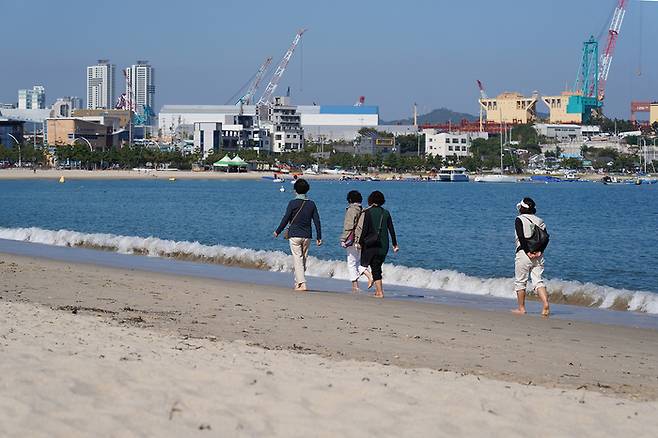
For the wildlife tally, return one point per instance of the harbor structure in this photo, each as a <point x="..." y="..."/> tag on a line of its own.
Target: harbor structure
<point x="101" y="85"/>
<point x="122" y="116"/>
<point x="510" y="108"/>
<point x="34" y="98"/>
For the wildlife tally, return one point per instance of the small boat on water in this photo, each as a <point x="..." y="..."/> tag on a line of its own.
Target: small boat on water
<point x="452" y="174"/>
<point x="495" y="179"/>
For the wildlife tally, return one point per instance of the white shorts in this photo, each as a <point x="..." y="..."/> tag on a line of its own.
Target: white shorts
<point x="524" y="267"/>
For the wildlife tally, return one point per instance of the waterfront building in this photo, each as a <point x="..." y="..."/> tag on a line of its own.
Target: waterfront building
<point x="9" y="128"/>
<point x="174" y="118"/>
<point x="653" y="113"/>
<point x="284" y="123"/>
<point x="450" y="144"/>
<point x="32" y="99"/>
<point x="512" y="108"/>
<point x="140" y="86"/>
<point x="65" y="131"/>
<point x="7" y="106"/>
<point x="123" y="116"/>
<point x="207" y="138"/>
<point x="567" y="132"/>
<point x="101" y="85"/>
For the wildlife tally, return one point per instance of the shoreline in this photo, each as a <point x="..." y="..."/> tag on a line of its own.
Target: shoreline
<point x="77" y="174"/>
<point x="564" y="354"/>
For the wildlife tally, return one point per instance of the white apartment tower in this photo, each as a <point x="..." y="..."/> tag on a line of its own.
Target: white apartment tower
<point x="32" y="99"/>
<point x="140" y="86"/>
<point x="100" y="85"/>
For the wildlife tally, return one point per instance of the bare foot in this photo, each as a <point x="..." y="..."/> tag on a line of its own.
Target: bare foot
<point x="356" y="290"/>
<point x="546" y="312"/>
<point x="301" y="287"/>
<point x="518" y="311"/>
<point x="379" y="295"/>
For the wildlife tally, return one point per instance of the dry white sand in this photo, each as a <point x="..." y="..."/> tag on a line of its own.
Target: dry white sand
<point x="65" y="374"/>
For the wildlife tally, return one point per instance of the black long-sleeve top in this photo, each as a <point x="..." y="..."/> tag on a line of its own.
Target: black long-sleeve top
<point x="301" y="225"/>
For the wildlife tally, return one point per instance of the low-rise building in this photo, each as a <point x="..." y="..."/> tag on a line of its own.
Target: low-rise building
<point x="653" y="113"/>
<point x="67" y="131"/>
<point x="123" y="116"/>
<point x="446" y="144"/>
<point x="11" y="131"/>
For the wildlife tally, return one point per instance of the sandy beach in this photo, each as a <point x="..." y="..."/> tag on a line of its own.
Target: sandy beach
<point x="85" y="347"/>
<point x="75" y="174"/>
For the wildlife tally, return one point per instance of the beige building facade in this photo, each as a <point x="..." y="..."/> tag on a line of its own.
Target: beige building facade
<point x="510" y="108"/>
<point x="557" y="106"/>
<point x="653" y="113"/>
<point x="67" y="131"/>
<point x="122" y="115"/>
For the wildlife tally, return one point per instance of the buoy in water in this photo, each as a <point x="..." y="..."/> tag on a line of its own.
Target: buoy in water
<point x="61" y="179"/>
<point x="172" y="179"/>
<point x="282" y="189"/>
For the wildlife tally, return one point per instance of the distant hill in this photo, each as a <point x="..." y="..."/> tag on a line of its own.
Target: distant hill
<point x="440" y="115"/>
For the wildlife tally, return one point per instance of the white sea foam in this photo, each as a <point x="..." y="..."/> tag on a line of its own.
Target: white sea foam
<point x="447" y="280"/>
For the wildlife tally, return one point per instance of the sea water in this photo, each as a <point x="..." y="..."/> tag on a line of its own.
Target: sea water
<point x="454" y="237"/>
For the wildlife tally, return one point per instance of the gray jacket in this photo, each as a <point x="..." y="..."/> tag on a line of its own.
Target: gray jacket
<point x="351" y="215"/>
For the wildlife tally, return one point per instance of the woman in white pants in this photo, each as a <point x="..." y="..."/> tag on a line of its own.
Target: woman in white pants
<point x="352" y="215"/>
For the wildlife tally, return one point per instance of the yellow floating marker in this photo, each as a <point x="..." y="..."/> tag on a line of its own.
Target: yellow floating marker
<point x="61" y="179"/>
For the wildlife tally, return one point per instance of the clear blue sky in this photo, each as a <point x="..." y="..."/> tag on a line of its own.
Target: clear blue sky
<point x="393" y="52"/>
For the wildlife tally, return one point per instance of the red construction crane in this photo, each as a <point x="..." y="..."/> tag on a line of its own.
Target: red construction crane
<point x="613" y="35"/>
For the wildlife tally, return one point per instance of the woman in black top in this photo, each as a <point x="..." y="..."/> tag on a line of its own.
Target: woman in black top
<point x="300" y="213"/>
<point x="372" y="234"/>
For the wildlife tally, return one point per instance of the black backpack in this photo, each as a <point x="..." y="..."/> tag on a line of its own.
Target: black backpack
<point x="539" y="238"/>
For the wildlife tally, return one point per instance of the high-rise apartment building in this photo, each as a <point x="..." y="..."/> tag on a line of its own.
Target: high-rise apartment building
<point x="32" y="99"/>
<point x="100" y="85"/>
<point x="140" y="86"/>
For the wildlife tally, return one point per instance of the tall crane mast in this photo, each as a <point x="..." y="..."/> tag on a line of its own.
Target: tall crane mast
<point x="253" y="87"/>
<point x="281" y="68"/>
<point x="613" y="35"/>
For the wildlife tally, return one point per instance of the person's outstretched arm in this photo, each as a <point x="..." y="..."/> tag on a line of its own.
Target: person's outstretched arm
<point x="316" y="222"/>
<point x="285" y="220"/>
<point x="391" y="230"/>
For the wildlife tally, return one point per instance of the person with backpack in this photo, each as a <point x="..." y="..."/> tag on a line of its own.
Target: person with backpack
<point x="531" y="241"/>
<point x="347" y="240"/>
<point x="373" y="229"/>
<point x="300" y="213"/>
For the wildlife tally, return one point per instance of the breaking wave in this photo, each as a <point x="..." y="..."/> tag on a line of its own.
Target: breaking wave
<point x="561" y="291"/>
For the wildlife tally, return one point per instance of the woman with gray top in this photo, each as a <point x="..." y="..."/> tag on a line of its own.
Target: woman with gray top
<point x="348" y="241"/>
<point x="529" y="261"/>
<point x="300" y="213"/>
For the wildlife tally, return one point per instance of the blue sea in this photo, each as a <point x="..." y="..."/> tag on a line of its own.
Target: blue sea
<point x="453" y="237"/>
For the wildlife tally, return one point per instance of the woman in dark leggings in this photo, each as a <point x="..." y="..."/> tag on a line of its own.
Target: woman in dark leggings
<point x="372" y="234"/>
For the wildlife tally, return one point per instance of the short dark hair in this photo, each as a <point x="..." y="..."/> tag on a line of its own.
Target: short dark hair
<point x="354" y="196"/>
<point x="531" y="209"/>
<point x="301" y="186"/>
<point x="377" y="198"/>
